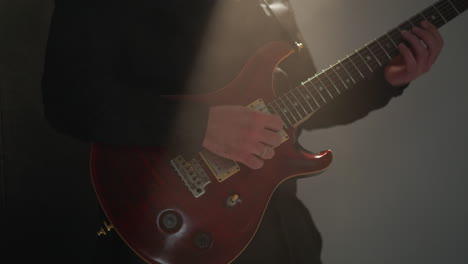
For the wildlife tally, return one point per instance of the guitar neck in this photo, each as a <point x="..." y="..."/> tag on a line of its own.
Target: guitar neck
<point x="299" y="103"/>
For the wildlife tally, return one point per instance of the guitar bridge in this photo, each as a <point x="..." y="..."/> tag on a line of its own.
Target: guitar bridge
<point x="192" y="174"/>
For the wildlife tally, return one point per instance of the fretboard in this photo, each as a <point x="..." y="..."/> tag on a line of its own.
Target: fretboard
<point x="299" y="103"/>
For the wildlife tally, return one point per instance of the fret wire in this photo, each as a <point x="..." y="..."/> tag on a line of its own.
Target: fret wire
<point x="391" y="40"/>
<point x="309" y="96"/>
<point x="291" y="112"/>
<point x="313" y="97"/>
<point x="424" y="16"/>
<point x="272" y="110"/>
<point x="450" y="2"/>
<point x="448" y="10"/>
<point x="379" y="52"/>
<point x="388" y="46"/>
<point x="356" y="67"/>
<point x="305" y="98"/>
<point x="418" y="18"/>
<point x="336" y="73"/>
<point x="384" y="56"/>
<point x="338" y="81"/>
<point x="324" y="86"/>
<point x="370" y="69"/>
<point x="386" y="53"/>
<point x="380" y="64"/>
<point x="313" y="82"/>
<point x="300" y="99"/>
<point x="352" y="69"/>
<point x="283" y="111"/>
<point x="294" y="106"/>
<point x="300" y="103"/>
<point x="319" y="88"/>
<point x="360" y="64"/>
<point x="279" y="109"/>
<point x="407" y="25"/>
<point x="331" y="81"/>
<point x="433" y="18"/>
<point x="395" y="34"/>
<point x="316" y="92"/>
<point x="440" y="14"/>
<point x="372" y="57"/>
<point x="323" y="98"/>
<point x="398" y="28"/>
<point x="334" y="81"/>
<point x="347" y="72"/>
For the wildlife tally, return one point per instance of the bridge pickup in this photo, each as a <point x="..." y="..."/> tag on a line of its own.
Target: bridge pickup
<point x="220" y="167"/>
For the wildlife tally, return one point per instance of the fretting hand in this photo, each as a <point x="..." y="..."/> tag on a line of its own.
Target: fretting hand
<point x="425" y="46"/>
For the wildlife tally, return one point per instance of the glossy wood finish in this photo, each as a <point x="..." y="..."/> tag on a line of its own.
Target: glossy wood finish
<point x="136" y="185"/>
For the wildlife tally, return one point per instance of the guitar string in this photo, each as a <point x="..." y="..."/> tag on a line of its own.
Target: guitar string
<point x="438" y="20"/>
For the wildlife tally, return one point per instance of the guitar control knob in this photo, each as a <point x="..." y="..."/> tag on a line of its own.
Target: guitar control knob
<point x="170" y="221"/>
<point x="202" y="240"/>
<point x="233" y="200"/>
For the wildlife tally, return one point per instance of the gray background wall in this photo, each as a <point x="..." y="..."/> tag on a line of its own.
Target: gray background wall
<point x="395" y="193"/>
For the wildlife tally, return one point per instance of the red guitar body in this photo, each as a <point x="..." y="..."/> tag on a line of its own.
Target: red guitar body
<point x="138" y="187"/>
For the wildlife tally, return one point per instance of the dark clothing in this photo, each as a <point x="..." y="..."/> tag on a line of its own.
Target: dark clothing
<point x="108" y="62"/>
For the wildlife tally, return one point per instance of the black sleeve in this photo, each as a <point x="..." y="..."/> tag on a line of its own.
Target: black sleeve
<point x="97" y="87"/>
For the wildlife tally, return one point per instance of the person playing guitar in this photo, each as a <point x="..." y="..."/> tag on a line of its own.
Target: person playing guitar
<point x="111" y="64"/>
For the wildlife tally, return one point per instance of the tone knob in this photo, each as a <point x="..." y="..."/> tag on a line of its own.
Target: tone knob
<point x="202" y="240"/>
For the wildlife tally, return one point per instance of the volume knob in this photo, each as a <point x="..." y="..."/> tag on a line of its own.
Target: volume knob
<point x="170" y="221"/>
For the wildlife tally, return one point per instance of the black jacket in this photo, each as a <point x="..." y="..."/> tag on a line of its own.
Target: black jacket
<point x="108" y="62"/>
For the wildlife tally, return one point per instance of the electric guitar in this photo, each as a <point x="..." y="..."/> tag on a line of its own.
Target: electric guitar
<point x="207" y="209"/>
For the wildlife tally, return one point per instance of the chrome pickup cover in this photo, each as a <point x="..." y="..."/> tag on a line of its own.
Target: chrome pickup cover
<point x="221" y="168"/>
<point x="192" y="174"/>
